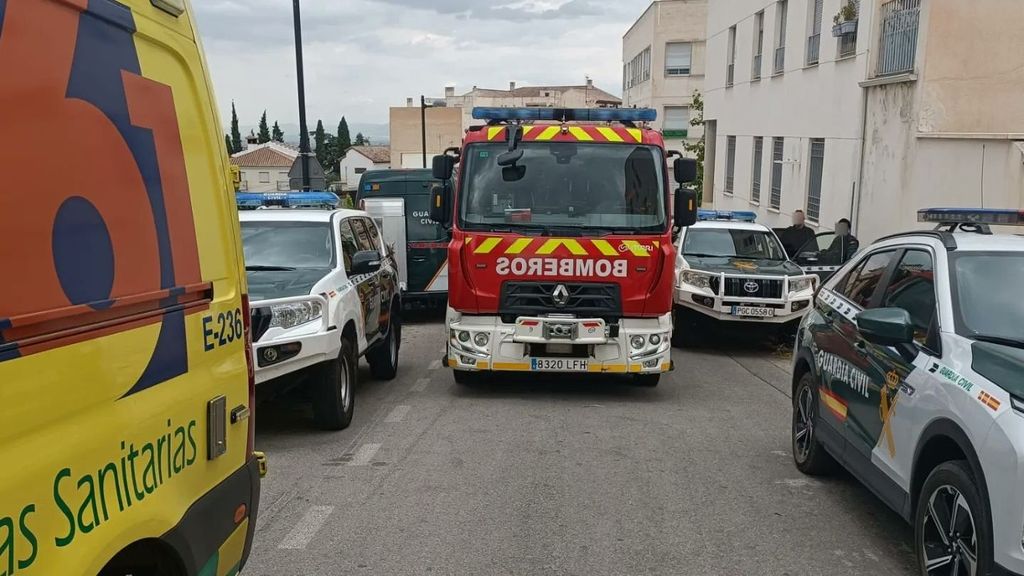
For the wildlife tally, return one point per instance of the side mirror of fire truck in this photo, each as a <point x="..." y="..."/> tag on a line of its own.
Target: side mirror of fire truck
<point x="440" y="203"/>
<point x="685" y="208"/>
<point x="685" y="170"/>
<point x="444" y="167"/>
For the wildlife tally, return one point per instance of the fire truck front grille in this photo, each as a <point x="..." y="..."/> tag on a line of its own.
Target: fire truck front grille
<point x="542" y="298"/>
<point x="753" y="288"/>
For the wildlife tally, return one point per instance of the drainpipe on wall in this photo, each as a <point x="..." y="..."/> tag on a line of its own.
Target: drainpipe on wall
<point x="858" y="186"/>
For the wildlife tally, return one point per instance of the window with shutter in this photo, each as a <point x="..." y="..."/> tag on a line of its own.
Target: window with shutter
<point x="678" y="58"/>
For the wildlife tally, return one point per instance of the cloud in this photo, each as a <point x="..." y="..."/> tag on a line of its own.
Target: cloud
<point x="362" y="56"/>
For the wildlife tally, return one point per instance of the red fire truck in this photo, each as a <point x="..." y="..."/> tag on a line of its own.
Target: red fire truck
<point x="561" y="255"/>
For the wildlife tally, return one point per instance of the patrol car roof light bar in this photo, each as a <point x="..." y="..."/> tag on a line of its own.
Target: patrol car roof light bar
<point x="970" y="219"/>
<point x="727" y="215"/>
<point x="315" y="200"/>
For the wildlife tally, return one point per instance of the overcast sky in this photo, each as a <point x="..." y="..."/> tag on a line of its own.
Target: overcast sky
<point x="363" y="56"/>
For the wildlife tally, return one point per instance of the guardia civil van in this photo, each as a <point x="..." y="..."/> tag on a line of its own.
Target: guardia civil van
<point x="126" y="385"/>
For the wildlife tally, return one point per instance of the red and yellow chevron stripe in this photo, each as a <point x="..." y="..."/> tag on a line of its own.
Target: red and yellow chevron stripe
<point x="558" y="133"/>
<point x="511" y="246"/>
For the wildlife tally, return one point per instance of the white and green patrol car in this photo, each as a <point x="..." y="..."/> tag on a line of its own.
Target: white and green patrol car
<point x="732" y="270"/>
<point x="324" y="292"/>
<point x="909" y="371"/>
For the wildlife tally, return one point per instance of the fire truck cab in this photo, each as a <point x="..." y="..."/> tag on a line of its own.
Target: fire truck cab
<point x="561" y="254"/>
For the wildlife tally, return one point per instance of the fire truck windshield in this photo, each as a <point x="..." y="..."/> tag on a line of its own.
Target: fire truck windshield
<point x="617" y="188"/>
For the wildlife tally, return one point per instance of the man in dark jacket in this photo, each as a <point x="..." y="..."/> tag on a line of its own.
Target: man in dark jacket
<point x="796" y="236"/>
<point x="843" y="246"/>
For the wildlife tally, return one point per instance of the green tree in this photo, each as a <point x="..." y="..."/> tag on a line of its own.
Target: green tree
<point x="360" y="140"/>
<point x="697" y="148"/>
<point x="344" y="138"/>
<point x="320" y="140"/>
<point x="264" y="135"/>
<point x="227" y="144"/>
<point x="236" y="136"/>
<point x="277" y="135"/>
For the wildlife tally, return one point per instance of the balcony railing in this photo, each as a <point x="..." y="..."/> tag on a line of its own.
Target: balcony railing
<point x="730" y="74"/>
<point x="898" y="41"/>
<point x="847" y="45"/>
<point x="755" y="70"/>
<point x="813" y="49"/>
<point x="780" y="59"/>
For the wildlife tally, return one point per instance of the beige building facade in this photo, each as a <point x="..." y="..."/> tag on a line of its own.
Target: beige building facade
<point x="663" y="55"/>
<point x="444" y="130"/>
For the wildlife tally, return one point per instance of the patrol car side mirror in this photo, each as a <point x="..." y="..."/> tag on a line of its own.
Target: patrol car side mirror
<point x="685" y="170"/>
<point x="365" y="262"/>
<point x="443" y="167"/>
<point x="886" y="326"/>
<point x="440" y="204"/>
<point x="685" y="208"/>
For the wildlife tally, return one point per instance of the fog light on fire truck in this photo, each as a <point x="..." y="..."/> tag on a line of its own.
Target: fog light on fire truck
<point x="637" y="342"/>
<point x="651" y="363"/>
<point x="481" y="339"/>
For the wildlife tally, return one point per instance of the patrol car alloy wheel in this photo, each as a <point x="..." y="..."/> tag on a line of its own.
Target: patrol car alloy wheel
<point x="952" y="525"/>
<point x="810" y="456"/>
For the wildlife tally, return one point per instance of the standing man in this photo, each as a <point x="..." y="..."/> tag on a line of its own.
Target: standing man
<point x="796" y="236"/>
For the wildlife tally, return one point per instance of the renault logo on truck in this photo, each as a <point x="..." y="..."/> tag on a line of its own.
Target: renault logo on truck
<point x="560" y="295"/>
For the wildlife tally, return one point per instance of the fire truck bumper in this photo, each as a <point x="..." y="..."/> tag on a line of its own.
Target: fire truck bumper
<point x="559" y="344"/>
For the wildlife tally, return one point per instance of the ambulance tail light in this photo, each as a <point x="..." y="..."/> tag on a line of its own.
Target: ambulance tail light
<point x="250" y="444"/>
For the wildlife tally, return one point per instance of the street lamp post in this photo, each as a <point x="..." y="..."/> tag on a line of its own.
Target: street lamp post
<point x="303" y="131"/>
<point x="423" y="126"/>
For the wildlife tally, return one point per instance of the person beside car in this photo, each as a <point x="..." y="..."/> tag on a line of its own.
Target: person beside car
<point x="797" y="235"/>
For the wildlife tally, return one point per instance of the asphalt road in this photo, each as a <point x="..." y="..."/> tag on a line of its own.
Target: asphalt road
<point x="563" y="475"/>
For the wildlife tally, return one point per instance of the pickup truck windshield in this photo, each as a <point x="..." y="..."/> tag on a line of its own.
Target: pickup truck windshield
<point x="613" y="187"/>
<point x="732" y="243"/>
<point x="291" y="245"/>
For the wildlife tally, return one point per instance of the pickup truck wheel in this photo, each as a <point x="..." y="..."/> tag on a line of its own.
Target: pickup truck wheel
<point x="646" y="380"/>
<point x="334" y="393"/>
<point x="384" y="358"/>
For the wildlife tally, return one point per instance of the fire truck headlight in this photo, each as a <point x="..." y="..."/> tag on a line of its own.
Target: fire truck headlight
<point x="481" y="339"/>
<point x="655" y="339"/>
<point x="463" y="336"/>
<point x="637" y="342"/>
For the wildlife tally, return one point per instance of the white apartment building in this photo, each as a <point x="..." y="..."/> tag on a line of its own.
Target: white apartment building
<point x="908" y="104"/>
<point x="663" y="65"/>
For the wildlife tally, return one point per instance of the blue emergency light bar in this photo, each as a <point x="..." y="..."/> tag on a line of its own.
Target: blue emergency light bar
<point x="730" y="215"/>
<point x="253" y="200"/>
<point x="567" y="114"/>
<point x="971" y="216"/>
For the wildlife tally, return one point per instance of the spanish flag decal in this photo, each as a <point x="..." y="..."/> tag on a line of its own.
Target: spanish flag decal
<point x="834" y="403"/>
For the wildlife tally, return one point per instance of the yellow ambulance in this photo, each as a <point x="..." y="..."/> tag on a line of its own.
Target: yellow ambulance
<point x="126" y="387"/>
